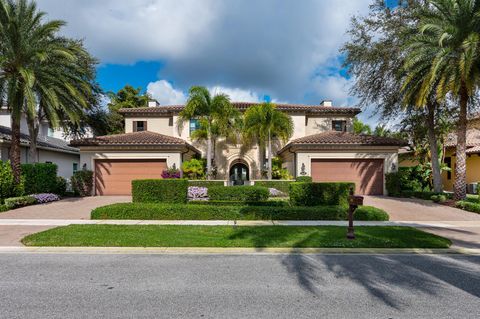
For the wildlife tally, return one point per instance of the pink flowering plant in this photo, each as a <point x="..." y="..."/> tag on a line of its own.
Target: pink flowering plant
<point x="197" y="193"/>
<point x="45" y="198"/>
<point x="171" y="173"/>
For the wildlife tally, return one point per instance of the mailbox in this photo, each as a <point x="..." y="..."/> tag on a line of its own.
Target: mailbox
<point x="355" y="200"/>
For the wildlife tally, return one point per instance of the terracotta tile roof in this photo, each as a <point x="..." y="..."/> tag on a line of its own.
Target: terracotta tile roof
<point x="344" y="138"/>
<point x="311" y="109"/>
<point x="473" y="138"/>
<point x="42" y="141"/>
<point x="135" y="138"/>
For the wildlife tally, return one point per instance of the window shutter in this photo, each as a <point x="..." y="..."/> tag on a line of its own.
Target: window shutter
<point x="134" y="126"/>
<point x="145" y="128"/>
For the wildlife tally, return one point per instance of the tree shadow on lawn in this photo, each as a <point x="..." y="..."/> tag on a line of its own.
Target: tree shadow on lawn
<point x="381" y="275"/>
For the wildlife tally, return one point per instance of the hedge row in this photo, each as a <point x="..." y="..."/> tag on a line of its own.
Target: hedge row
<point x="281" y="185"/>
<point x="370" y="213"/>
<point x="238" y="193"/>
<point x="21" y="201"/>
<point x="421" y="195"/>
<point x="201" y="183"/>
<point x="40" y="178"/>
<point x="270" y="203"/>
<point x="160" y="191"/>
<point x="315" y="194"/>
<point x="152" y="211"/>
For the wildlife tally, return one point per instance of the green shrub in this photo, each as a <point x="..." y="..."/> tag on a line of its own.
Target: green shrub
<point x="160" y="190"/>
<point x="8" y="188"/>
<point x="422" y="195"/>
<point x="194" y="168"/>
<point x="314" y="194"/>
<point x="304" y="179"/>
<point x="21" y="201"/>
<point x="370" y="213"/>
<point x="439" y="198"/>
<point x="152" y="211"/>
<point x="82" y="183"/>
<point x="3" y="208"/>
<point x="407" y="179"/>
<point x="200" y="183"/>
<point x="239" y="193"/>
<point x="40" y="178"/>
<point x="468" y="206"/>
<point x="61" y="186"/>
<point x="240" y="203"/>
<point x="281" y="185"/>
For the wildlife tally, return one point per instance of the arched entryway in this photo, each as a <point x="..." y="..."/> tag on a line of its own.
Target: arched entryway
<point x="239" y="173"/>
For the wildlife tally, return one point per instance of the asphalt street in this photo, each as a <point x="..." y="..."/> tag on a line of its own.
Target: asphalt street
<point x="239" y="286"/>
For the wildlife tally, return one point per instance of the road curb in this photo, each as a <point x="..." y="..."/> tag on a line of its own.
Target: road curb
<point x="232" y="251"/>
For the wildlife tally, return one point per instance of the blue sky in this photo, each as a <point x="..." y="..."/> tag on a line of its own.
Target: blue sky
<point x="283" y="49"/>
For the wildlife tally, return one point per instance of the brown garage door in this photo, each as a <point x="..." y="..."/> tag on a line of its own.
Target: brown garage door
<point x="114" y="177"/>
<point x="367" y="174"/>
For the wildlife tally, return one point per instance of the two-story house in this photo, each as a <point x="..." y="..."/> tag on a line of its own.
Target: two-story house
<point x="322" y="146"/>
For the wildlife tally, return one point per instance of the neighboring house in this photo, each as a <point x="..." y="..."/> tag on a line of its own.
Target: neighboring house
<point x="322" y="146"/>
<point x="52" y="146"/>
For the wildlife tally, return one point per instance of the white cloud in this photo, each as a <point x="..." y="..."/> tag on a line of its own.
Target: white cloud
<point x="165" y="94"/>
<point x="237" y="95"/>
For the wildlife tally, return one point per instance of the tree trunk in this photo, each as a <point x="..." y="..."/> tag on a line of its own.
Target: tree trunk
<point x="460" y="185"/>
<point x="432" y="140"/>
<point x="15" y="147"/>
<point x="33" y="127"/>
<point x="269" y="156"/>
<point x="209" y="154"/>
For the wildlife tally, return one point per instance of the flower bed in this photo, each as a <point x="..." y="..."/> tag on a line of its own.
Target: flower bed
<point x="45" y="198"/>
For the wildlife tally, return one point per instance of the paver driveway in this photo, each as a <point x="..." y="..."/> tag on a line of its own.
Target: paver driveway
<point x="69" y="208"/>
<point x="465" y="230"/>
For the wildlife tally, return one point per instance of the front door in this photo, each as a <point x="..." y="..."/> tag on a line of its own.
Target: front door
<point x="239" y="174"/>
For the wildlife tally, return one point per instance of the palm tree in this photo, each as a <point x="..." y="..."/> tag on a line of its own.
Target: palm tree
<point x="264" y="123"/>
<point x="445" y="62"/>
<point x="63" y="87"/>
<point x="25" y="43"/>
<point x="215" y="114"/>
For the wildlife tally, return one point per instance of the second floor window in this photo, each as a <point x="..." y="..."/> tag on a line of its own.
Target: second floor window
<point x="139" y="126"/>
<point x="194" y="125"/>
<point x="339" y="126"/>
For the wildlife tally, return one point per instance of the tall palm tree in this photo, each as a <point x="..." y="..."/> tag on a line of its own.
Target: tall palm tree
<point x="264" y="123"/>
<point x="216" y="115"/>
<point x="25" y="43"/>
<point x="63" y="88"/>
<point x="450" y="42"/>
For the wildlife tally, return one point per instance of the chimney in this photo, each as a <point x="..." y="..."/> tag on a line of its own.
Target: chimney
<point x="326" y="103"/>
<point x="153" y="103"/>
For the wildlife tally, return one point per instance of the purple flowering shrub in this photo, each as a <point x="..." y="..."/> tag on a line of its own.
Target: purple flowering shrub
<point x="171" y="173"/>
<point x="45" y="198"/>
<point x="197" y="193"/>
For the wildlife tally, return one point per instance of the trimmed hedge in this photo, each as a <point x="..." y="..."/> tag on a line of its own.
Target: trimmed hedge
<point x="152" y="211"/>
<point x="304" y="179"/>
<point x="40" y="178"/>
<point x="370" y="213"/>
<point x="8" y="188"/>
<point x="422" y="195"/>
<point x="239" y="193"/>
<point x="202" y="183"/>
<point x="468" y="206"/>
<point x="16" y="202"/>
<point x="283" y="186"/>
<point x="315" y="194"/>
<point x="82" y="183"/>
<point x="269" y="203"/>
<point x="160" y="190"/>
<point x="439" y="198"/>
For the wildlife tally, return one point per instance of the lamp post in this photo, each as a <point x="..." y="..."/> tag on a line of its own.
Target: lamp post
<point x="353" y="203"/>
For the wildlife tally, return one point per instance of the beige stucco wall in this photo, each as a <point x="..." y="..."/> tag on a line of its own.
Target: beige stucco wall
<point x="473" y="170"/>
<point x="390" y="157"/>
<point x="88" y="157"/>
<point x="321" y="124"/>
<point x="154" y="124"/>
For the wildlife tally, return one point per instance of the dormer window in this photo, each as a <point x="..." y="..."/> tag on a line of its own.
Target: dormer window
<point x="339" y="126"/>
<point x="139" y="126"/>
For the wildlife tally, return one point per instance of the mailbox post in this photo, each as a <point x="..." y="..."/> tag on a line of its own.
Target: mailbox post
<point x="353" y="203"/>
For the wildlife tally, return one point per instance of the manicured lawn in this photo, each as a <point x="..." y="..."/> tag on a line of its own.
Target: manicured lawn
<point x="227" y="236"/>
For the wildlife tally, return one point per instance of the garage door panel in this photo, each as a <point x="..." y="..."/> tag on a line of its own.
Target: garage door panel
<point x="367" y="174"/>
<point x="114" y="177"/>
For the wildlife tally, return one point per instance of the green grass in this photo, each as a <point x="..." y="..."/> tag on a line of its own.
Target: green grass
<point x="228" y="236"/>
